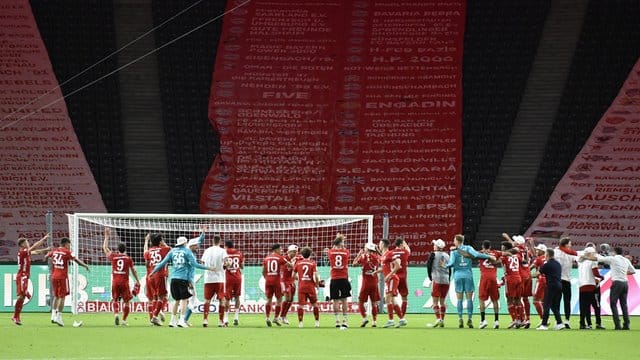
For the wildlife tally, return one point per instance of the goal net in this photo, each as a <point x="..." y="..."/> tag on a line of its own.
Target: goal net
<point x="253" y="235"/>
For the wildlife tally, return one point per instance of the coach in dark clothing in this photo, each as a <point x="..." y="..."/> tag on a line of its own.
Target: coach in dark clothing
<point x="553" y="292"/>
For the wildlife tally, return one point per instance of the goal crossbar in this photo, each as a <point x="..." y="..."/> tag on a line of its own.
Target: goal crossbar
<point x="253" y="234"/>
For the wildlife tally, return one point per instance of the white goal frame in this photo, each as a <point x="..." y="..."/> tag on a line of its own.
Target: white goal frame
<point x="147" y="221"/>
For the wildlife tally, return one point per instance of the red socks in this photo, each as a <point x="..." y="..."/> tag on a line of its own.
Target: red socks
<point x="18" y="309"/>
<point x="390" y="311"/>
<point x="205" y="313"/>
<point x="125" y="312"/>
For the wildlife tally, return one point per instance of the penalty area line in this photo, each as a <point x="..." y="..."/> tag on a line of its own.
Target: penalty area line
<point x="297" y="356"/>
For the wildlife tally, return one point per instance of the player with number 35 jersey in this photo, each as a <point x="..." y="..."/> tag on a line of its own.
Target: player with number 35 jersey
<point x="156" y="283"/>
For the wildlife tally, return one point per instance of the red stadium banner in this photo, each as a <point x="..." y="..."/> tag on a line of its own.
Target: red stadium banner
<point x="598" y="199"/>
<point x="346" y="107"/>
<point x="42" y="166"/>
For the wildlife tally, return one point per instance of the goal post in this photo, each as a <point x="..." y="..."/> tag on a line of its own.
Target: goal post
<point x="253" y="235"/>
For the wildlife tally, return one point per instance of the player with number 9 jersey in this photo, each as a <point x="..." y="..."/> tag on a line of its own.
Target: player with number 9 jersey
<point x="121" y="265"/>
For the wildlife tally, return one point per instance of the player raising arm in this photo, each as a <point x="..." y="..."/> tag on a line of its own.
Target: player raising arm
<point x="156" y="283"/>
<point x="369" y="260"/>
<point x="288" y="284"/>
<point x="519" y="242"/>
<point x="339" y="288"/>
<point x="24" y="271"/>
<point x="60" y="258"/>
<point x="215" y="257"/>
<point x="511" y="259"/>
<point x="194" y="246"/>
<point x="183" y="260"/>
<point x="121" y="264"/>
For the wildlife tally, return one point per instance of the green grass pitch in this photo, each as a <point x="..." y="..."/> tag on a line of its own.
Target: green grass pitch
<point x="100" y="339"/>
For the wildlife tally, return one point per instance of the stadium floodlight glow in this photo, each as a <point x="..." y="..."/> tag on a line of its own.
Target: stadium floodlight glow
<point x="252" y="234"/>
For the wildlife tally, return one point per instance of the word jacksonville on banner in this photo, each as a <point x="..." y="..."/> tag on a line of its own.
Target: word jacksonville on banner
<point x="42" y="166"/>
<point x="341" y="107"/>
<point x="598" y="199"/>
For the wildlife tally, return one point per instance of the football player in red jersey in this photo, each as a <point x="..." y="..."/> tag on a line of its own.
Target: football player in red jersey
<point x="340" y="287"/>
<point x="390" y="267"/>
<point x="157" y="282"/>
<point x="233" y="279"/>
<point x="60" y="258"/>
<point x="488" y="288"/>
<point x="369" y="260"/>
<point x="541" y="283"/>
<point x="511" y="259"/>
<point x="272" y="266"/>
<point x="305" y="271"/>
<point x="147" y="289"/>
<point x="288" y="284"/>
<point x="24" y="271"/>
<point x="402" y="252"/>
<point x="121" y="265"/>
<point x="519" y="243"/>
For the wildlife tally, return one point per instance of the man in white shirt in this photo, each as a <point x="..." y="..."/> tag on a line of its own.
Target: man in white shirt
<point x="588" y="279"/>
<point x="620" y="268"/>
<point x="214" y="257"/>
<point x="566" y="257"/>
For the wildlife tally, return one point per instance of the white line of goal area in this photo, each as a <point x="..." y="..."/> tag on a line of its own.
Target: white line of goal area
<point x="304" y="356"/>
